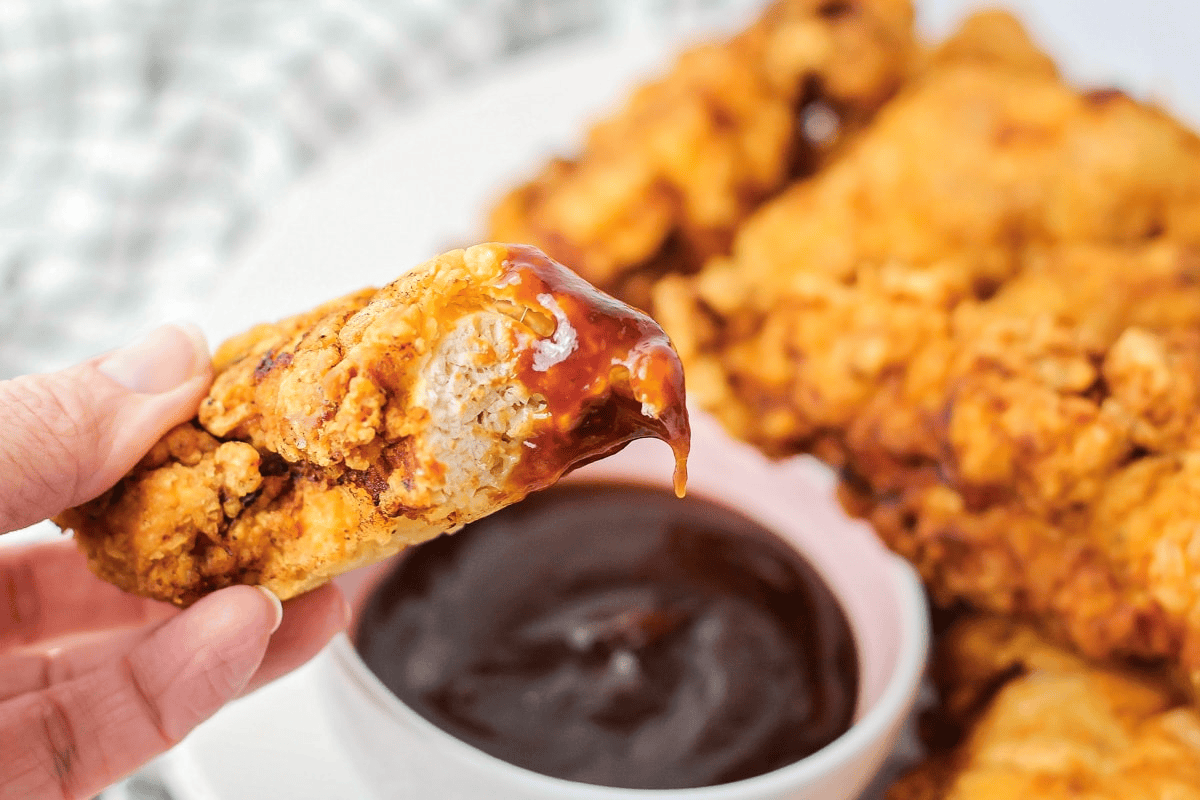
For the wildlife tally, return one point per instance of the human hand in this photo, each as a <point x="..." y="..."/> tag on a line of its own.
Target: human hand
<point x="95" y="682"/>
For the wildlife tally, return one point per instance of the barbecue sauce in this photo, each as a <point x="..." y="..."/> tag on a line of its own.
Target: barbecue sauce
<point x="615" y="635"/>
<point x="607" y="372"/>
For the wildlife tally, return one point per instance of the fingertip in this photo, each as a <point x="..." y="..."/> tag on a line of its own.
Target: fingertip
<point x="309" y="622"/>
<point x="160" y="380"/>
<point x="70" y="435"/>
<point x="163" y="360"/>
<point x="246" y="608"/>
<point x="203" y="352"/>
<point x="235" y="623"/>
<point x="139" y="420"/>
<point x="276" y="606"/>
<point x="204" y="657"/>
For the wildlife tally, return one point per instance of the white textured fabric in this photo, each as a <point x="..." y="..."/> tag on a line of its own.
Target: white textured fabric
<point x="141" y="138"/>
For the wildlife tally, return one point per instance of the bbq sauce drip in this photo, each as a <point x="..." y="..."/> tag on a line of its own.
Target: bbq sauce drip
<point x="610" y="374"/>
<point x="615" y="635"/>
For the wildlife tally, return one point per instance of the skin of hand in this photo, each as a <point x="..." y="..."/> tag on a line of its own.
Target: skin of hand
<point x="94" y="682"/>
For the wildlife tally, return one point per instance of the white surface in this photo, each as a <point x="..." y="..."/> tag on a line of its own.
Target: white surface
<point x="40" y="532"/>
<point x="275" y="743"/>
<point x="1146" y="48"/>
<point x="421" y="183"/>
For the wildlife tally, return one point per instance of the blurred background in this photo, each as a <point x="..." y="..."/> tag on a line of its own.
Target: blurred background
<point x="144" y="140"/>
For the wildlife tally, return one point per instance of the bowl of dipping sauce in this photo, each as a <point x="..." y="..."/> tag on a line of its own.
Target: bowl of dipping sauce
<point x="604" y="639"/>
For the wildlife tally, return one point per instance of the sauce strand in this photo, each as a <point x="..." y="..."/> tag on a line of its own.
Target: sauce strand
<point x="608" y="372"/>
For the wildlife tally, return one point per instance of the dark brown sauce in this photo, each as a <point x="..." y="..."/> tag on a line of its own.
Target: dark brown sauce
<point x="616" y="635"/>
<point x="619" y="365"/>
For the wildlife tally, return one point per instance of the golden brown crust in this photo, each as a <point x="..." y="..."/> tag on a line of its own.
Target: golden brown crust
<point x="1020" y="717"/>
<point x="663" y="184"/>
<point x="339" y="436"/>
<point x="985" y="313"/>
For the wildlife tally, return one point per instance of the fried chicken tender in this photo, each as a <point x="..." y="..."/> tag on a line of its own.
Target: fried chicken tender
<point x="338" y="437"/>
<point x="665" y="182"/>
<point x="986" y="313"/>
<point x="1028" y="719"/>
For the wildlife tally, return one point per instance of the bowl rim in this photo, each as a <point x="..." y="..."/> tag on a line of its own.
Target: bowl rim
<point x="878" y="721"/>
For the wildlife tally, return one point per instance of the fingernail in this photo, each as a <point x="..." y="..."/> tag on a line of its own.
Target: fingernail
<point x="274" y="598"/>
<point x="159" y="362"/>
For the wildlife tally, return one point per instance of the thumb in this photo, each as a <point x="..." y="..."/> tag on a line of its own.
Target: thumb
<point x="70" y="435"/>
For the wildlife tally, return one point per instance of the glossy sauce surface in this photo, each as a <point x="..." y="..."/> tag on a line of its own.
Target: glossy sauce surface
<point x="616" y="635"/>
<point x="608" y="372"/>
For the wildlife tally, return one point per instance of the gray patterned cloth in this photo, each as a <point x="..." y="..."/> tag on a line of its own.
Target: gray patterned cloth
<point x="141" y="139"/>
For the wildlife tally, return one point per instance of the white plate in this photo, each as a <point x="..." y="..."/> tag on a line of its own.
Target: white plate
<point x="422" y="182"/>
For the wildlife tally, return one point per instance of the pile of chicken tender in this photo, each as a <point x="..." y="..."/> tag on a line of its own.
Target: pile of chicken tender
<point x="972" y="289"/>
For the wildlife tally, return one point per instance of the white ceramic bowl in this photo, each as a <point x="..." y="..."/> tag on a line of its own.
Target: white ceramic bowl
<point x="400" y="754"/>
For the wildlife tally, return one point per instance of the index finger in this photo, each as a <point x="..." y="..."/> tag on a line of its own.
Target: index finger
<point x="47" y="590"/>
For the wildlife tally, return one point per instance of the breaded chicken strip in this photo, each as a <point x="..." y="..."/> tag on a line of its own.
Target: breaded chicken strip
<point x="337" y="437"/>
<point x="664" y="183"/>
<point x="987" y="314"/>
<point x="977" y="169"/>
<point x="1021" y="718"/>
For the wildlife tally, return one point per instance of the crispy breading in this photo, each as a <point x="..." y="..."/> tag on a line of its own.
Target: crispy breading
<point x="663" y="184"/>
<point x="1027" y="719"/>
<point x="987" y="314"/>
<point x="337" y="437"/>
